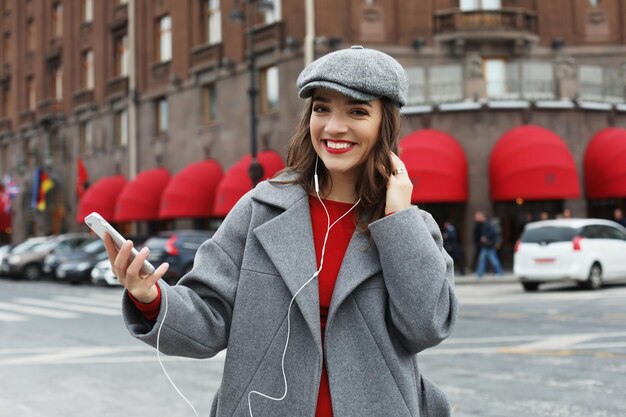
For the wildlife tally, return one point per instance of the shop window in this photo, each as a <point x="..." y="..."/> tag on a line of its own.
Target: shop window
<point x="161" y="108"/>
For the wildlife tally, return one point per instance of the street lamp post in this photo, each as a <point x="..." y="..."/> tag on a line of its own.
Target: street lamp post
<point x="255" y="171"/>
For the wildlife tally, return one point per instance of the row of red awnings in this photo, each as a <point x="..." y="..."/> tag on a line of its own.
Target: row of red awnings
<point x="527" y="162"/>
<point x="199" y="190"/>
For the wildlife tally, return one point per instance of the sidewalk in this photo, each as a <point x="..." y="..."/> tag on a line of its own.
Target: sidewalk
<point x="507" y="278"/>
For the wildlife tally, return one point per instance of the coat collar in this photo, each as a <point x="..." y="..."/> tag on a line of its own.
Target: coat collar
<point x="290" y="232"/>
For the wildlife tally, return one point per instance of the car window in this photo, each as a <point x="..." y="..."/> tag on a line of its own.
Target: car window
<point x="93" y="247"/>
<point x="591" y="232"/>
<point x="613" y="233"/>
<point x="26" y="246"/>
<point x="549" y="234"/>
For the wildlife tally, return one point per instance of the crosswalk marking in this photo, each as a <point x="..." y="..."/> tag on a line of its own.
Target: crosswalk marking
<point x="115" y="304"/>
<point x="71" y="307"/>
<point x="37" y="311"/>
<point x="11" y="317"/>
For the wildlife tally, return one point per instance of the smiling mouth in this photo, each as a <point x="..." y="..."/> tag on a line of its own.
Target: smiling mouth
<point x="337" y="146"/>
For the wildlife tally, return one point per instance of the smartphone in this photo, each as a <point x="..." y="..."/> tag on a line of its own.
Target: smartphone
<point x="99" y="225"/>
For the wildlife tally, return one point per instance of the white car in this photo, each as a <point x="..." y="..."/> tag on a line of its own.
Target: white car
<point x="103" y="274"/>
<point x="587" y="251"/>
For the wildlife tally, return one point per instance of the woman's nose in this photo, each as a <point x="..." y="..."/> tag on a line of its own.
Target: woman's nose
<point x="336" y="124"/>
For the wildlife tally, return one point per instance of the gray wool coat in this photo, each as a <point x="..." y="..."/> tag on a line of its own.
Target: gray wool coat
<point x="394" y="297"/>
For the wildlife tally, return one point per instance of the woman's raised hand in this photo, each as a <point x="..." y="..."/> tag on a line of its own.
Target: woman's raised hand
<point x="399" y="187"/>
<point x="142" y="288"/>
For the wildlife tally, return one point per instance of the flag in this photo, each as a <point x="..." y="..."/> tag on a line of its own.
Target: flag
<point x="34" y="198"/>
<point x="45" y="185"/>
<point x="11" y="190"/>
<point x="82" y="179"/>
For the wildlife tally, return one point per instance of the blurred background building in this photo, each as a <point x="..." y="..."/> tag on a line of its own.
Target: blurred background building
<point x="142" y="109"/>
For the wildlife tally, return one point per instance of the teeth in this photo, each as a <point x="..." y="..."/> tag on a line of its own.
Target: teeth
<point x="338" y="145"/>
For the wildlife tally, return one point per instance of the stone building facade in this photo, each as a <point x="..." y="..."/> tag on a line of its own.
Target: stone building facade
<point x="477" y="69"/>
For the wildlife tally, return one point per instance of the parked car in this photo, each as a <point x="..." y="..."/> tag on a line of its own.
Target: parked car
<point x="586" y="251"/>
<point x="30" y="264"/>
<point x="5" y="250"/>
<point x="75" y="267"/>
<point x="25" y="259"/>
<point x="52" y="260"/>
<point x="177" y="248"/>
<point x="102" y="273"/>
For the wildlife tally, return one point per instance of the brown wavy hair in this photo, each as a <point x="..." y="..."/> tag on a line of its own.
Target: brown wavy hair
<point x="372" y="186"/>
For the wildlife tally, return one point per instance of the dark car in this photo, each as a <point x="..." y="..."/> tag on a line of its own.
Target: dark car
<point x="178" y="248"/>
<point x="53" y="259"/>
<point x="75" y="267"/>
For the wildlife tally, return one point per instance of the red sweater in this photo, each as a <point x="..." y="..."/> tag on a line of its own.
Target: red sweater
<point x="336" y="246"/>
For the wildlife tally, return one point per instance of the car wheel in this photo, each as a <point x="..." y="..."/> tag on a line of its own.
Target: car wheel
<point x="594" y="280"/>
<point x="530" y="286"/>
<point x="32" y="272"/>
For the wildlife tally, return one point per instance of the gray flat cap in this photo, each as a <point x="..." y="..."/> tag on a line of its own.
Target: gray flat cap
<point x="357" y="72"/>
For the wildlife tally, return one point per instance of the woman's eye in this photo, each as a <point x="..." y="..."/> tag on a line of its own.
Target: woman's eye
<point x="359" y="112"/>
<point x="319" y="109"/>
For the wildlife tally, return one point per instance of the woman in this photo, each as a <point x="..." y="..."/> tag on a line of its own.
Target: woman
<point x="324" y="282"/>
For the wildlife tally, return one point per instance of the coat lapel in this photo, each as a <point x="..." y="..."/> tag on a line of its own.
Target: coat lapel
<point x="360" y="262"/>
<point x="288" y="241"/>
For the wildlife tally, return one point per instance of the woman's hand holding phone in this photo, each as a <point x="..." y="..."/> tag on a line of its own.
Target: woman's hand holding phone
<point x="142" y="288"/>
<point x="399" y="187"/>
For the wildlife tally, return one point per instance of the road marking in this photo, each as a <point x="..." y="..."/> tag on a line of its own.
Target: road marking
<point x="18" y="308"/>
<point x="557" y="342"/>
<point x="11" y="317"/>
<point x="71" y="307"/>
<point x="90" y="301"/>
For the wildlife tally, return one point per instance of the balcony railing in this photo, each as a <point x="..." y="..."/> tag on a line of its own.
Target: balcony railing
<point x="606" y="93"/>
<point x="268" y="37"/>
<point x="5" y="124"/>
<point x="506" y="19"/>
<point x="521" y="89"/>
<point x="117" y="87"/>
<point x="206" y="56"/>
<point x="49" y="107"/>
<point x="27" y="116"/>
<point x="83" y="98"/>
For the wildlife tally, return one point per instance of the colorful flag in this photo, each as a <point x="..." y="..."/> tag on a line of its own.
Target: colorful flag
<point x="45" y="185"/>
<point x="82" y="179"/>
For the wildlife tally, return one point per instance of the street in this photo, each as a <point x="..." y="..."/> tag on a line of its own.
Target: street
<point x="64" y="351"/>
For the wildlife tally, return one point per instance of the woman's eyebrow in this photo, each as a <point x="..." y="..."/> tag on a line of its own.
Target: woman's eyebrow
<point x="359" y="103"/>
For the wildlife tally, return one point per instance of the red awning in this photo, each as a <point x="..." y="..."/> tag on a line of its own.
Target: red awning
<point x="140" y="198"/>
<point x="191" y="192"/>
<point x="437" y="167"/>
<point x="101" y="197"/>
<point x="236" y="182"/>
<point x="604" y="164"/>
<point x="5" y="214"/>
<point x="532" y="163"/>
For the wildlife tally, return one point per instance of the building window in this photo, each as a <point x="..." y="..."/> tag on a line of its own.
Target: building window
<point x="445" y="83"/>
<point x="87" y="10"/>
<point x="164" y="39"/>
<point x="6" y="101"/>
<point x="121" y="128"/>
<point x="594" y="3"/>
<point x="57" y="20"/>
<point x="6" y="46"/>
<point x="87" y="70"/>
<point x="30" y="34"/>
<point x="161" y="110"/>
<point x="272" y="14"/>
<point x="86" y="138"/>
<point x="209" y="104"/>
<point x="57" y="81"/>
<point x="269" y="89"/>
<point x="470" y="5"/>
<point x="122" y="1"/>
<point x="495" y="78"/>
<point x="31" y="98"/>
<point x="121" y="56"/>
<point x="212" y="20"/>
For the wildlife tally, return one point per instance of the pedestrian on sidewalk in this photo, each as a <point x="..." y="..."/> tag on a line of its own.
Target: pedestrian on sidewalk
<point x="618" y="216"/>
<point x="324" y="283"/>
<point x="488" y="242"/>
<point x="453" y="246"/>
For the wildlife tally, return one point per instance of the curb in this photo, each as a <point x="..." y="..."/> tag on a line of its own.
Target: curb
<point x="487" y="279"/>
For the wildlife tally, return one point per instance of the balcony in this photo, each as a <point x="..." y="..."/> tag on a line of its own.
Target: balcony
<point x="510" y="23"/>
<point x="268" y="37"/>
<point x="49" y="108"/>
<point x="120" y="15"/>
<point x="206" y="57"/>
<point x="54" y="49"/>
<point x="83" y="98"/>
<point x="5" y="124"/>
<point x="27" y="117"/>
<point x="117" y="87"/>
